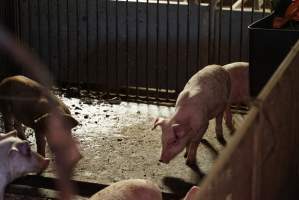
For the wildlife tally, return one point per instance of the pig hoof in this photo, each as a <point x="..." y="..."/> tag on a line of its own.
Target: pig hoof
<point x="186" y="154"/>
<point x="221" y="140"/>
<point x="190" y="163"/>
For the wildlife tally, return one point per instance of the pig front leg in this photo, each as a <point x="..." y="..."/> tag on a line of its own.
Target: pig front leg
<point x="193" y="145"/>
<point x="191" y="157"/>
<point x="40" y="143"/>
<point x="219" y="130"/>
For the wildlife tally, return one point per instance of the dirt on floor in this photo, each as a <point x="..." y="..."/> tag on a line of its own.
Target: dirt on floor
<point x="117" y="143"/>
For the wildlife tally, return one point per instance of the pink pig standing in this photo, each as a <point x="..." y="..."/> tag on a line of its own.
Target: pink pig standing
<point x="239" y="75"/>
<point x="17" y="159"/>
<point x="205" y="96"/>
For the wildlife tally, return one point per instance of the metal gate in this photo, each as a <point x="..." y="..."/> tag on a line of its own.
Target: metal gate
<point x="135" y="49"/>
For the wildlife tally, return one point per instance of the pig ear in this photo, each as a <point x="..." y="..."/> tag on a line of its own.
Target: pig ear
<point x="20" y="148"/>
<point x="70" y="121"/>
<point x="179" y="130"/>
<point x="158" y="122"/>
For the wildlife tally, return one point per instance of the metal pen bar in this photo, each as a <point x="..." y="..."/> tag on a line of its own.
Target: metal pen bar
<point x="219" y="31"/>
<point x="97" y="41"/>
<point x="147" y="50"/>
<point x="107" y="50"/>
<point x="178" y="47"/>
<point x="59" y="76"/>
<point x="29" y="23"/>
<point x="157" y="51"/>
<point x="209" y="32"/>
<point x="198" y="33"/>
<point x="241" y="30"/>
<point x="78" y="44"/>
<point x="68" y="42"/>
<point x="264" y="7"/>
<point x="252" y="10"/>
<point x="167" y="50"/>
<point x="87" y="45"/>
<point x="116" y="47"/>
<point x="127" y="50"/>
<point x="39" y="27"/>
<point x="187" y="41"/>
<point x="230" y="32"/>
<point x="49" y="37"/>
<point x="136" y="49"/>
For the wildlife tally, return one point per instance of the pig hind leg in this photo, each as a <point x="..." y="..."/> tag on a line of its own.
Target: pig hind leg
<point x="219" y="129"/>
<point x="229" y="119"/>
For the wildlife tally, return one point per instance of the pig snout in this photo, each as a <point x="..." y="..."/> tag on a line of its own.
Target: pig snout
<point x="164" y="160"/>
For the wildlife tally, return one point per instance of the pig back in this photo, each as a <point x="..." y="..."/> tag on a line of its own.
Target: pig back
<point x="239" y="75"/>
<point x="207" y="91"/>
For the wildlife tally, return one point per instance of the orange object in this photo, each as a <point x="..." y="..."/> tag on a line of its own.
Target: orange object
<point x="292" y="13"/>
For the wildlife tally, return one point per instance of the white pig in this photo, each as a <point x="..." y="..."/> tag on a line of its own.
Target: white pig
<point x="17" y="159"/>
<point x="132" y="189"/>
<point x="239" y="75"/>
<point x="204" y="97"/>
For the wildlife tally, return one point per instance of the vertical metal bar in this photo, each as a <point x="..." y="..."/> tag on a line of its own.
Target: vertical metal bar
<point x="39" y="27"/>
<point x="58" y="42"/>
<point x="187" y="41"/>
<point x="19" y="20"/>
<point x="264" y="8"/>
<point x="116" y="47"/>
<point x="241" y="30"/>
<point x="198" y="33"/>
<point x="214" y="31"/>
<point x="219" y="32"/>
<point x="147" y="51"/>
<point x="78" y="43"/>
<point x="167" y="50"/>
<point x="97" y="41"/>
<point x="68" y="43"/>
<point x="107" y="49"/>
<point x="29" y="23"/>
<point x="157" y="51"/>
<point x="87" y="45"/>
<point x="178" y="47"/>
<point x="49" y="38"/>
<point x="230" y="32"/>
<point x="127" y="49"/>
<point x="252" y="10"/>
<point x="137" y="45"/>
<point x="210" y="32"/>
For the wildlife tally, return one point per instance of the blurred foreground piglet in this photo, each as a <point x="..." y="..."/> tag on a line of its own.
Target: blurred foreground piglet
<point x="132" y="189"/>
<point x="239" y="75"/>
<point x="17" y="160"/>
<point x="204" y="97"/>
<point x="24" y="101"/>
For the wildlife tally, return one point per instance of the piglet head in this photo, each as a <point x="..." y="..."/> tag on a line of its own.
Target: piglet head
<point x="22" y="160"/>
<point x="174" y="138"/>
